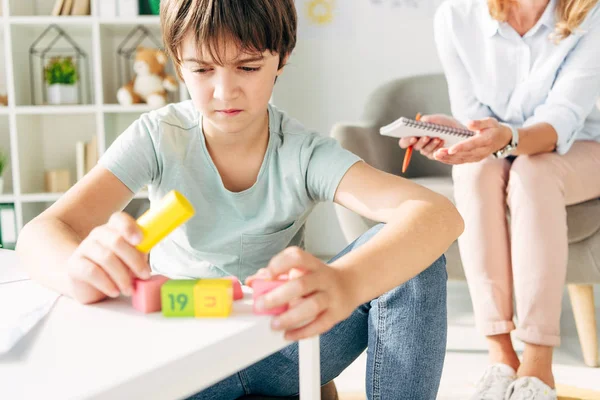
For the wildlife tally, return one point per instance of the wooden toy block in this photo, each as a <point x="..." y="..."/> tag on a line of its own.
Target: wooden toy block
<point x="213" y="298"/>
<point x="177" y="297"/>
<point x="237" y="288"/>
<point x="262" y="286"/>
<point x="146" y="294"/>
<point x="159" y="221"/>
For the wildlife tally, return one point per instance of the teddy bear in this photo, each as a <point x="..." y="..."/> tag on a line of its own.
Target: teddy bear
<point x="150" y="83"/>
<point x="3" y="100"/>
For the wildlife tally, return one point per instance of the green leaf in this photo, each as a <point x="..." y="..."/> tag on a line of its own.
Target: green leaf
<point x="3" y="161"/>
<point x="61" y="70"/>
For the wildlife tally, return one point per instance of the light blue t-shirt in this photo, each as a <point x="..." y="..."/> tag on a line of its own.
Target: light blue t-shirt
<point x="231" y="233"/>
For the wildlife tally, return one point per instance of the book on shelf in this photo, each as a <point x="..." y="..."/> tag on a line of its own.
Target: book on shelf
<point x="81" y="7"/>
<point x="66" y="9"/>
<point x="71" y="7"/>
<point x="86" y="156"/>
<point x="80" y="159"/>
<point x="8" y="226"/>
<point x="58" y="6"/>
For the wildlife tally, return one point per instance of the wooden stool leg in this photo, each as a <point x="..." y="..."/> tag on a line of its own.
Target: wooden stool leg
<point x="582" y="302"/>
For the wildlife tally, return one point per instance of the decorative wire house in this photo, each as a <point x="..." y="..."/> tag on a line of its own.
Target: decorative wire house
<point x="54" y="43"/>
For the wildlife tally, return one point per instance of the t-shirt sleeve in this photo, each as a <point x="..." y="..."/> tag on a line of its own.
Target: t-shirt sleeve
<point x="133" y="156"/>
<point x="325" y="163"/>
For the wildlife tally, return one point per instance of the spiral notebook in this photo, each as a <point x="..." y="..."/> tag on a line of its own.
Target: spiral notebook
<point x="406" y="127"/>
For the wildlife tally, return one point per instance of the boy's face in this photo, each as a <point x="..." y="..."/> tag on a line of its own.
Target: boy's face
<point x="234" y="96"/>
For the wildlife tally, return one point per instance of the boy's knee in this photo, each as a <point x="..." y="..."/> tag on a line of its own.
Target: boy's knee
<point x="434" y="276"/>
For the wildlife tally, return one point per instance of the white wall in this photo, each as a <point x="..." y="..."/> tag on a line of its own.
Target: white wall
<point x="329" y="78"/>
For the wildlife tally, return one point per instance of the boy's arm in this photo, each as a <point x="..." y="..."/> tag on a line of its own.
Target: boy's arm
<point x="420" y="226"/>
<point x="46" y="243"/>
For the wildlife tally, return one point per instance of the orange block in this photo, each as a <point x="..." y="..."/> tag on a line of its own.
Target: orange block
<point x="213" y="298"/>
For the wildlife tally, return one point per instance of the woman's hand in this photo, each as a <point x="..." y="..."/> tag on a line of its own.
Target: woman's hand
<point x="107" y="259"/>
<point x="318" y="295"/>
<point x="490" y="136"/>
<point x="425" y="144"/>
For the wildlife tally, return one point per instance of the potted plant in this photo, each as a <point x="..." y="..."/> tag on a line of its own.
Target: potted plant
<point x="61" y="78"/>
<point x="3" y="163"/>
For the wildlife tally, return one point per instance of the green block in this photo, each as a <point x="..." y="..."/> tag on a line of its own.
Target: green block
<point x="177" y="297"/>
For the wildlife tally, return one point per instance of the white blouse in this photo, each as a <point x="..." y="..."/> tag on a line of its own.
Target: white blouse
<point x="494" y="72"/>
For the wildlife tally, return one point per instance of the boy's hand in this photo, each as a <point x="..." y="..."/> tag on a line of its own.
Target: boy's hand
<point x="107" y="259"/>
<point x="318" y="295"/>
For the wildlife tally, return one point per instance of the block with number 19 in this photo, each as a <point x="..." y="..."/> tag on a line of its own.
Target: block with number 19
<point x="177" y="298"/>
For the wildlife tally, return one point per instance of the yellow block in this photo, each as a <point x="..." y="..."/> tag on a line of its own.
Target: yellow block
<point x="572" y="393"/>
<point x="156" y="223"/>
<point x="213" y="298"/>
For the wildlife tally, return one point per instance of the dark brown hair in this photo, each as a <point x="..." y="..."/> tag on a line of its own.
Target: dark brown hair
<point x="255" y="25"/>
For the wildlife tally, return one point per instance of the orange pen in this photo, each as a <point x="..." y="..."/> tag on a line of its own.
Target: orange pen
<point x="409" y="150"/>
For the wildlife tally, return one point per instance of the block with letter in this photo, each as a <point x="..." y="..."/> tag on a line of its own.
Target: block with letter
<point x="263" y="286"/>
<point x="237" y="288"/>
<point x="213" y="297"/>
<point x="146" y="294"/>
<point x="177" y="297"/>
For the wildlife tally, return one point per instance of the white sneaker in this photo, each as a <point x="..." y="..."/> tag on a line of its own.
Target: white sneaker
<point x="530" y="388"/>
<point x="495" y="381"/>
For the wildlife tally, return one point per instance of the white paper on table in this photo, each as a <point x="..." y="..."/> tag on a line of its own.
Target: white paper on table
<point x="24" y="304"/>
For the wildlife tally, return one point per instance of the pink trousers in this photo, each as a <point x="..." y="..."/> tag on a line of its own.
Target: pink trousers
<point x="524" y="256"/>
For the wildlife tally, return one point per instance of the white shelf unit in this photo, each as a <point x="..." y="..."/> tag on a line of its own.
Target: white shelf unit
<point x="42" y="137"/>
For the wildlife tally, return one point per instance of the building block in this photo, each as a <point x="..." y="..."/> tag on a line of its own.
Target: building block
<point x="213" y="298"/>
<point x="262" y="286"/>
<point x="238" y="294"/>
<point x="156" y="223"/>
<point x="146" y="294"/>
<point x="177" y="297"/>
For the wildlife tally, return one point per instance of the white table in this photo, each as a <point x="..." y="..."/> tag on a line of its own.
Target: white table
<point x="111" y="351"/>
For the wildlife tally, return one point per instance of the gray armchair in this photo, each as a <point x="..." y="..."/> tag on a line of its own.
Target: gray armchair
<point x="429" y="95"/>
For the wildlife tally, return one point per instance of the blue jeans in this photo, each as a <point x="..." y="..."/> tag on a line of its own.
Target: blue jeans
<point x="403" y="330"/>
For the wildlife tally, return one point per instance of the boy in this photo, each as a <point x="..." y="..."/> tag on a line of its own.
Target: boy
<point x="253" y="175"/>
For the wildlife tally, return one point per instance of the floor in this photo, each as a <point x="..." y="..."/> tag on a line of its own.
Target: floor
<point x="466" y="357"/>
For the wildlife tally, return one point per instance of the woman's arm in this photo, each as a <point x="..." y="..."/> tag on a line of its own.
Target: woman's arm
<point x="465" y="105"/>
<point x="555" y="123"/>
<point x="573" y="95"/>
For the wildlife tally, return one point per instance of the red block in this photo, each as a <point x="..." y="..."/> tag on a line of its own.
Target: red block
<point x="146" y="294"/>
<point x="262" y="286"/>
<point x="237" y="288"/>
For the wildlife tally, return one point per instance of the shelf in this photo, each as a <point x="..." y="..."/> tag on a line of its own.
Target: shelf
<point x="139" y="20"/>
<point x="3" y="110"/>
<point x="50" y="197"/>
<point x="53" y="110"/>
<point x="47" y="20"/>
<point x="40" y="197"/>
<point x="7" y="198"/>
<point x="117" y="108"/>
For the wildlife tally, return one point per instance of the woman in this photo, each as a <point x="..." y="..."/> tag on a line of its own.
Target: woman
<point x="524" y="75"/>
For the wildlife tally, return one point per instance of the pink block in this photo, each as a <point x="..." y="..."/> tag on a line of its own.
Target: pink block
<point x="262" y="286"/>
<point x="237" y="288"/>
<point x="146" y="294"/>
